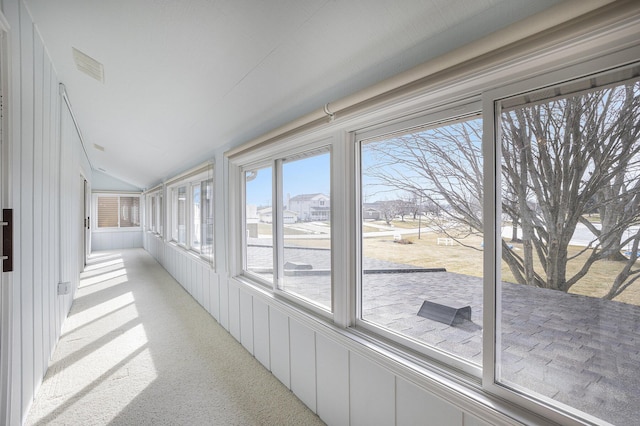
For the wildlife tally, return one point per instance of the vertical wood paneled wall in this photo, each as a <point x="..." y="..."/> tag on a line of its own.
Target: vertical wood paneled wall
<point x="345" y="384"/>
<point x="45" y="166"/>
<point x="115" y="240"/>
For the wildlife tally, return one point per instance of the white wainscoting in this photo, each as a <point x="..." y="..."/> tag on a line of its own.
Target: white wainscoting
<point x="341" y="380"/>
<point x="194" y="274"/>
<point x="116" y="239"/>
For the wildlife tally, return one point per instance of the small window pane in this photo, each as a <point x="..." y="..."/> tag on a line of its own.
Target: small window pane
<point x="159" y="218"/>
<point x="195" y="217"/>
<point x="306" y="220"/>
<point x="206" y="192"/>
<point x="181" y="200"/>
<point x="129" y="212"/>
<point x="154" y="223"/>
<point x="567" y="330"/>
<point x="259" y="223"/>
<point x="107" y="211"/>
<point x="421" y="237"/>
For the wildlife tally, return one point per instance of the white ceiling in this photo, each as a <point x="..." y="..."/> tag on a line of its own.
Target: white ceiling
<point x="187" y="78"/>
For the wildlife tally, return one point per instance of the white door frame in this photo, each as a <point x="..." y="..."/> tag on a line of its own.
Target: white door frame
<point x="6" y="281"/>
<point x="85" y="244"/>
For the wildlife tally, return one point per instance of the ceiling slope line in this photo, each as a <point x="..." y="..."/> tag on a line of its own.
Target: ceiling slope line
<point x="278" y="45"/>
<point x="65" y="96"/>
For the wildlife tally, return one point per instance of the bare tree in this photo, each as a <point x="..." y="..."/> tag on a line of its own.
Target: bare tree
<point x="388" y="209"/>
<point x="561" y="159"/>
<point x="443" y="166"/>
<point x="408" y="206"/>
<point x="617" y="202"/>
<point x="559" y="156"/>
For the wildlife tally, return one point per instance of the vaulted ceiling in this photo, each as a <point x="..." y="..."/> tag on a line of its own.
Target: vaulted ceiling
<point x="184" y="79"/>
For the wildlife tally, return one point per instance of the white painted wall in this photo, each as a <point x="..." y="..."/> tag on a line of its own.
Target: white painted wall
<point x="46" y="163"/>
<point x="103" y="182"/>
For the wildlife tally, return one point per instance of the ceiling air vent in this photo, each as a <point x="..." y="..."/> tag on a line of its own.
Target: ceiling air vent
<point x="88" y="65"/>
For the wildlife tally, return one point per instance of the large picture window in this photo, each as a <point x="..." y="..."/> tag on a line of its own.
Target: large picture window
<point x="567" y="327"/>
<point x="421" y="236"/>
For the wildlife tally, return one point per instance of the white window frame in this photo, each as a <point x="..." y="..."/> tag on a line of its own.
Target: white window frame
<point x="312" y="150"/>
<point x="191" y="217"/>
<point x="97" y="194"/>
<point x="243" y="170"/>
<point x="159" y="213"/>
<point x="273" y="158"/>
<point x="492" y="213"/>
<point x="174" y="190"/>
<point x="154" y="223"/>
<point x="441" y="115"/>
<point x="171" y="208"/>
<point x="151" y="225"/>
<point x="210" y="257"/>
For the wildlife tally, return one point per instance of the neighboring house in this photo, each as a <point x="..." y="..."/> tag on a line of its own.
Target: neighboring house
<point x="289" y="216"/>
<point x="266" y="216"/>
<point x="311" y="207"/>
<point x="371" y="211"/>
<point x="251" y="213"/>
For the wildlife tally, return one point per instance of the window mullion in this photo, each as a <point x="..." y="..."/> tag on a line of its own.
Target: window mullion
<point x="278" y="241"/>
<point x="491" y="214"/>
<point x="174" y="214"/>
<point x="162" y="214"/>
<point x="243" y="263"/>
<point x="188" y="211"/>
<point x="171" y="206"/>
<point x="343" y="235"/>
<point x="203" y="211"/>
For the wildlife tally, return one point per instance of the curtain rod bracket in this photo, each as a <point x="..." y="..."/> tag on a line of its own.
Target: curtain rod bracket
<point x="329" y="113"/>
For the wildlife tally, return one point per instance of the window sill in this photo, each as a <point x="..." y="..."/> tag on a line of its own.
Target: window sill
<point x="105" y="230"/>
<point x="191" y="254"/>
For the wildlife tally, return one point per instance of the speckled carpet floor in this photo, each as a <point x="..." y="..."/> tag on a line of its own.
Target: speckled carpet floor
<point x="136" y="349"/>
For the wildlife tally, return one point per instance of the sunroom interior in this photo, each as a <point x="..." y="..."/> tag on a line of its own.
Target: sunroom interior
<point x="415" y="212"/>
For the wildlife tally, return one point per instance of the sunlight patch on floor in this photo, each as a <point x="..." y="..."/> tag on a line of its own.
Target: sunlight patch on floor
<point x="101" y="270"/>
<point x="99" y="310"/>
<point x="92" y="382"/>
<point x="105" y="276"/>
<point x="102" y="342"/>
<point x="94" y="265"/>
